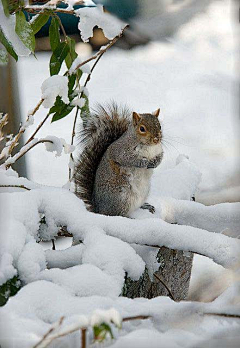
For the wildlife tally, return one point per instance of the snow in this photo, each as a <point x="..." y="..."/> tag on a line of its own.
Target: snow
<point x="80" y="102"/>
<point x="90" y="17"/>
<point x="191" y="80"/>
<point x="8" y="28"/>
<point x="52" y="87"/>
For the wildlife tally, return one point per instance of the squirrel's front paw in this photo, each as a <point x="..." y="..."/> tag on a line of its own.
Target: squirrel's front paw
<point x="149" y="207"/>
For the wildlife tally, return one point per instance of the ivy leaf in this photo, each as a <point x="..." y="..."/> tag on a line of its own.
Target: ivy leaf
<point x="71" y="83"/>
<point x="5" y="8"/>
<point x="100" y="332"/>
<point x="58" y="57"/>
<point x="10" y="288"/>
<point x="63" y="112"/>
<point x="7" y="44"/>
<point x="3" y="56"/>
<point x="39" y="22"/>
<point x="72" y="55"/>
<point x="60" y="109"/>
<point x="54" y="34"/>
<point x="24" y="31"/>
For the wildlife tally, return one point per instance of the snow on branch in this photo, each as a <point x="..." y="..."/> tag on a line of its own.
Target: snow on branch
<point x="66" y="209"/>
<point x="91" y="17"/>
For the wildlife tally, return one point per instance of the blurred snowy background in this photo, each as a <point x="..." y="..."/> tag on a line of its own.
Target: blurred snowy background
<point x="189" y="70"/>
<point x="191" y="75"/>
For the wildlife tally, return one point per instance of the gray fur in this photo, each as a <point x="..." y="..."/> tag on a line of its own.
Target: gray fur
<point x="121" y="172"/>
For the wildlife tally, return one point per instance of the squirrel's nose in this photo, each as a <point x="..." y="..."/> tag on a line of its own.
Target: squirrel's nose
<point x="156" y="140"/>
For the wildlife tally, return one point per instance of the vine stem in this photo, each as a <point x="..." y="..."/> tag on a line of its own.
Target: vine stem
<point x="46" y="340"/>
<point x="21" y="154"/>
<point x="97" y="56"/>
<point x="22" y="129"/>
<point x="18" y="186"/>
<point x="37" y="129"/>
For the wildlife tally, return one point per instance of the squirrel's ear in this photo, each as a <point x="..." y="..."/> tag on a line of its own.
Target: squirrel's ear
<point x="156" y="113"/>
<point x="136" y="118"/>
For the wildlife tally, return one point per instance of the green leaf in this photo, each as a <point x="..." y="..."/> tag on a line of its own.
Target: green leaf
<point x="60" y="109"/>
<point x="58" y="57"/>
<point x="3" y="56"/>
<point x="100" y="332"/>
<point x="24" y="31"/>
<point x="7" y="44"/>
<point x="71" y="83"/>
<point x="6" y="7"/>
<point x="63" y="113"/>
<point x="54" y="34"/>
<point x="10" y="288"/>
<point x="72" y="55"/>
<point x="39" y="22"/>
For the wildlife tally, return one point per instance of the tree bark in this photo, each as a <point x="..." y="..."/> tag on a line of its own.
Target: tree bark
<point x="171" y="279"/>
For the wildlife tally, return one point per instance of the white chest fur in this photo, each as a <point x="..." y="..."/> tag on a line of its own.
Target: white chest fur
<point x="149" y="151"/>
<point x="140" y="185"/>
<point x="140" y="177"/>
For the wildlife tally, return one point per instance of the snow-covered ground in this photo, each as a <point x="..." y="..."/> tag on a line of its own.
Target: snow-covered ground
<point x="193" y="79"/>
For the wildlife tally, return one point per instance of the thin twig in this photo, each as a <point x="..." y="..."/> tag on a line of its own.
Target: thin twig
<point x="3" y="121"/>
<point x="18" y="186"/>
<point x="138" y="317"/>
<point x="226" y="315"/>
<point x="62" y="27"/>
<point x="103" y="50"/>
<point x="53" y="245"/>
<point x="55" y="10"/>
<point x="21" y="154"/>
<point x="38" y="127"/>
<point x="73" y="135"/>
<point x="83" y="337"/>
<point x="48" y="333"/>
<point x="22" y="129"/>
<point x="165" y="285"/>
<point x="97" y="56"/>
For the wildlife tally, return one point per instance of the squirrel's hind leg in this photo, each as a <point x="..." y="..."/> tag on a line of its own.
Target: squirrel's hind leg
<point x="149" y="207"/>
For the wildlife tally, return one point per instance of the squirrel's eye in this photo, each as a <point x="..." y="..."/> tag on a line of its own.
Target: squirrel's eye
<point x="142" y="129"/>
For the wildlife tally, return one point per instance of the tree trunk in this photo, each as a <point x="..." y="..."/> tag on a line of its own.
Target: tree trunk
<point x="172" y="278"/>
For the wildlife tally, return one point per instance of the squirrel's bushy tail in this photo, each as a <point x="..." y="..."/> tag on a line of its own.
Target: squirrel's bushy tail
<point x="102" y="128"/>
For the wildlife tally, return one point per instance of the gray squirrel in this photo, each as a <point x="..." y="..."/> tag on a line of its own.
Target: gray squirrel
<point x="112" y="175"/>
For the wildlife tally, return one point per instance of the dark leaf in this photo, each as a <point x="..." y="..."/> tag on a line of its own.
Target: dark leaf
<point x="10" y="288"/>
<point x="54" y="34"/>
<point x="63" y="113"/>
<point x="60" y="109"/>
<point x="24" y="31"/>
<point x="5" y="7"/>
<point x="39" y="22"/>
<point x="7" y="45"/>
<point x="72" y="55"/>
<point x="71" y="83"/>
<point x="58" y="57"/>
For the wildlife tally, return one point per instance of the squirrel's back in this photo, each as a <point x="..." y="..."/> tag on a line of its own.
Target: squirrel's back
<point x="102" y="128"/>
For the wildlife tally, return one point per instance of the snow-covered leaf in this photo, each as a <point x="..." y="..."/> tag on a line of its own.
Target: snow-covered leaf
<point x="10" y="288"/>
<point x="52" y="87"/>
<point x="3" y="56"/>
<point x="7" y="45"/>
<point x="25" y="31"/>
